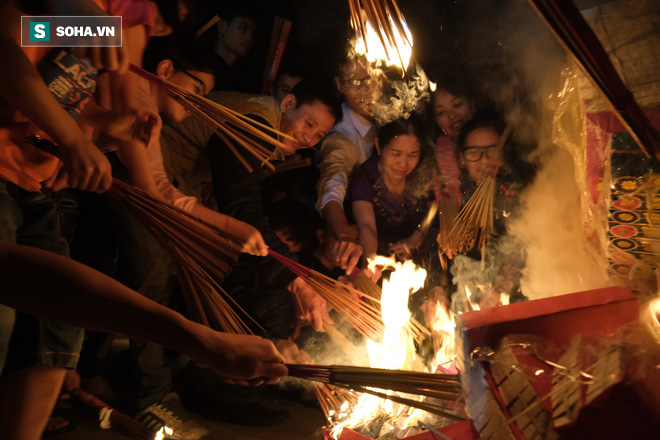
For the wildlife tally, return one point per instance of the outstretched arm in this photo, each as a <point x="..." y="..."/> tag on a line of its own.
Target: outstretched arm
<point x="23" y="88"/>
<point x="366" y="223"/>
<point x="57" y="288"/>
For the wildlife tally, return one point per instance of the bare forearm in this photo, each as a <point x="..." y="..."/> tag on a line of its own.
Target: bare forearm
<point x="22" y="87"/>
<point x="369" y="241"/>
<point x="60" y="289"/>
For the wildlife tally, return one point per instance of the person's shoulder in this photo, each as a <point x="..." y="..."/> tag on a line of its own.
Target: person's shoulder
<point x="336" y="138"/>
<point x="264" y="107"/>
<point x="367" y="173"/>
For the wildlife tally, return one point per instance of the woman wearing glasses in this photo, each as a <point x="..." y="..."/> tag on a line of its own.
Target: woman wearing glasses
<point x="496" y="270"/>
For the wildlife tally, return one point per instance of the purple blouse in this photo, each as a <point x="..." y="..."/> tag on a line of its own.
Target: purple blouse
<point x="396" y="218"/>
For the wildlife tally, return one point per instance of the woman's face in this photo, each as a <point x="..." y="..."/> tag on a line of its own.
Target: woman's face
<point x="451" y="112"/>
<point x="399" y="157"/>
<point x="479" y="151"/>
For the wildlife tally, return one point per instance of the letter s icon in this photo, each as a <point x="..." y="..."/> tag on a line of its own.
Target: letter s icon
<point x="39" y="31"/>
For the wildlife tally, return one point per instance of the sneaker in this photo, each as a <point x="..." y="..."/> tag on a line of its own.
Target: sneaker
<point x="169" y="412"/>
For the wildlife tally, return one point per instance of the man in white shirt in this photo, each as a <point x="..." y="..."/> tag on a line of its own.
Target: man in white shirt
<point x="348" y="146"/>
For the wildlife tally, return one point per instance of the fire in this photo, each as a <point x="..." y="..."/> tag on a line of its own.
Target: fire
<point x="393" y="53"/>
<point x="160" y="435"/>
<point x="396" y="346"/>
<point x="468" y="294"/>
<point x="396" y="350"/>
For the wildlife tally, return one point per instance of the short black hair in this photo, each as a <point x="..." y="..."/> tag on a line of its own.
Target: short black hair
<point x="309" y="90"/>
<point x="182" y="51"/>
<point x="487" y="118"/>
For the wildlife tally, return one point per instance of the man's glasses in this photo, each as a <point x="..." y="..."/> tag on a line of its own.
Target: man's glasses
<point x="354" y="83"/>
<point x="200" y="87"/>
<point x="474" y="154"/>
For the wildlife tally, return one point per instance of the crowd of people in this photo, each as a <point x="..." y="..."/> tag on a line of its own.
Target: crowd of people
<point x="75" y="258"/>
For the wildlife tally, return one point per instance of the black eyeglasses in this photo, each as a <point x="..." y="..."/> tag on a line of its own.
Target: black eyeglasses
<point x="200" y="87"/>
<point x="474" y="154"/>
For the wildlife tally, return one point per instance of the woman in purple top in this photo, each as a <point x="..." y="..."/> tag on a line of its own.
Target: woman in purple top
<point x="389" y="200"/>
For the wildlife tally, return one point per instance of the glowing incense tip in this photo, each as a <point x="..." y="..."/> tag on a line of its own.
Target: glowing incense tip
<point x="394" y="51"/>
<point x="160" y="435"/>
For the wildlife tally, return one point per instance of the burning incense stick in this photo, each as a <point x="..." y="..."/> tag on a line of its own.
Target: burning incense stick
<point x="363" y="379"/>
<point x="386" y="20"/>
<point x="233" y="128"/>
<point x="332" y="399"/>
<point x="202" y="252"/>
<point x="362" y="315"/>
<point x="475" y="220"/>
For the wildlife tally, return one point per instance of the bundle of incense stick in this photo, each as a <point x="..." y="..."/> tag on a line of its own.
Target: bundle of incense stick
<point x="385" y="17"/>
<point x="125" y="423"/>
<point x="332" y="398"/>
<point x="447" y="209"/>
<point x="281" y="28"/>
<point x="203" y="253"/>
<point x="362" y="315"/>
<point x="232" y="127"/>
<point x="291" y="163"/>
<point x="475" y="220"/>
<point x="363" y="379"/>
<point x="372" y="291"/>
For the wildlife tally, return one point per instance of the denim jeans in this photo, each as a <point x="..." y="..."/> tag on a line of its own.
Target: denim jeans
<point x="30" y="219"/>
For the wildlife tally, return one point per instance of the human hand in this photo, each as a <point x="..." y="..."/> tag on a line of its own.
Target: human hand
<point x="131" y="125"/>
<point x="240" y="359"/>
<point x="347" y="252"/>
<point x="253" y="241"/>
<point x="85" y="167"/>
<point x="401" y="250"/>
<point x="374" y="272"/>
<point x="311" y="307"/>
<point x="292" y="354"/>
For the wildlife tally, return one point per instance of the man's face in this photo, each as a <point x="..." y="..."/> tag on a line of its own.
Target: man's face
<point x="308" y="123"/>
<point x="238" y="35"/>
<point x="191" y="80"/>
<point x="358" y="89"/>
